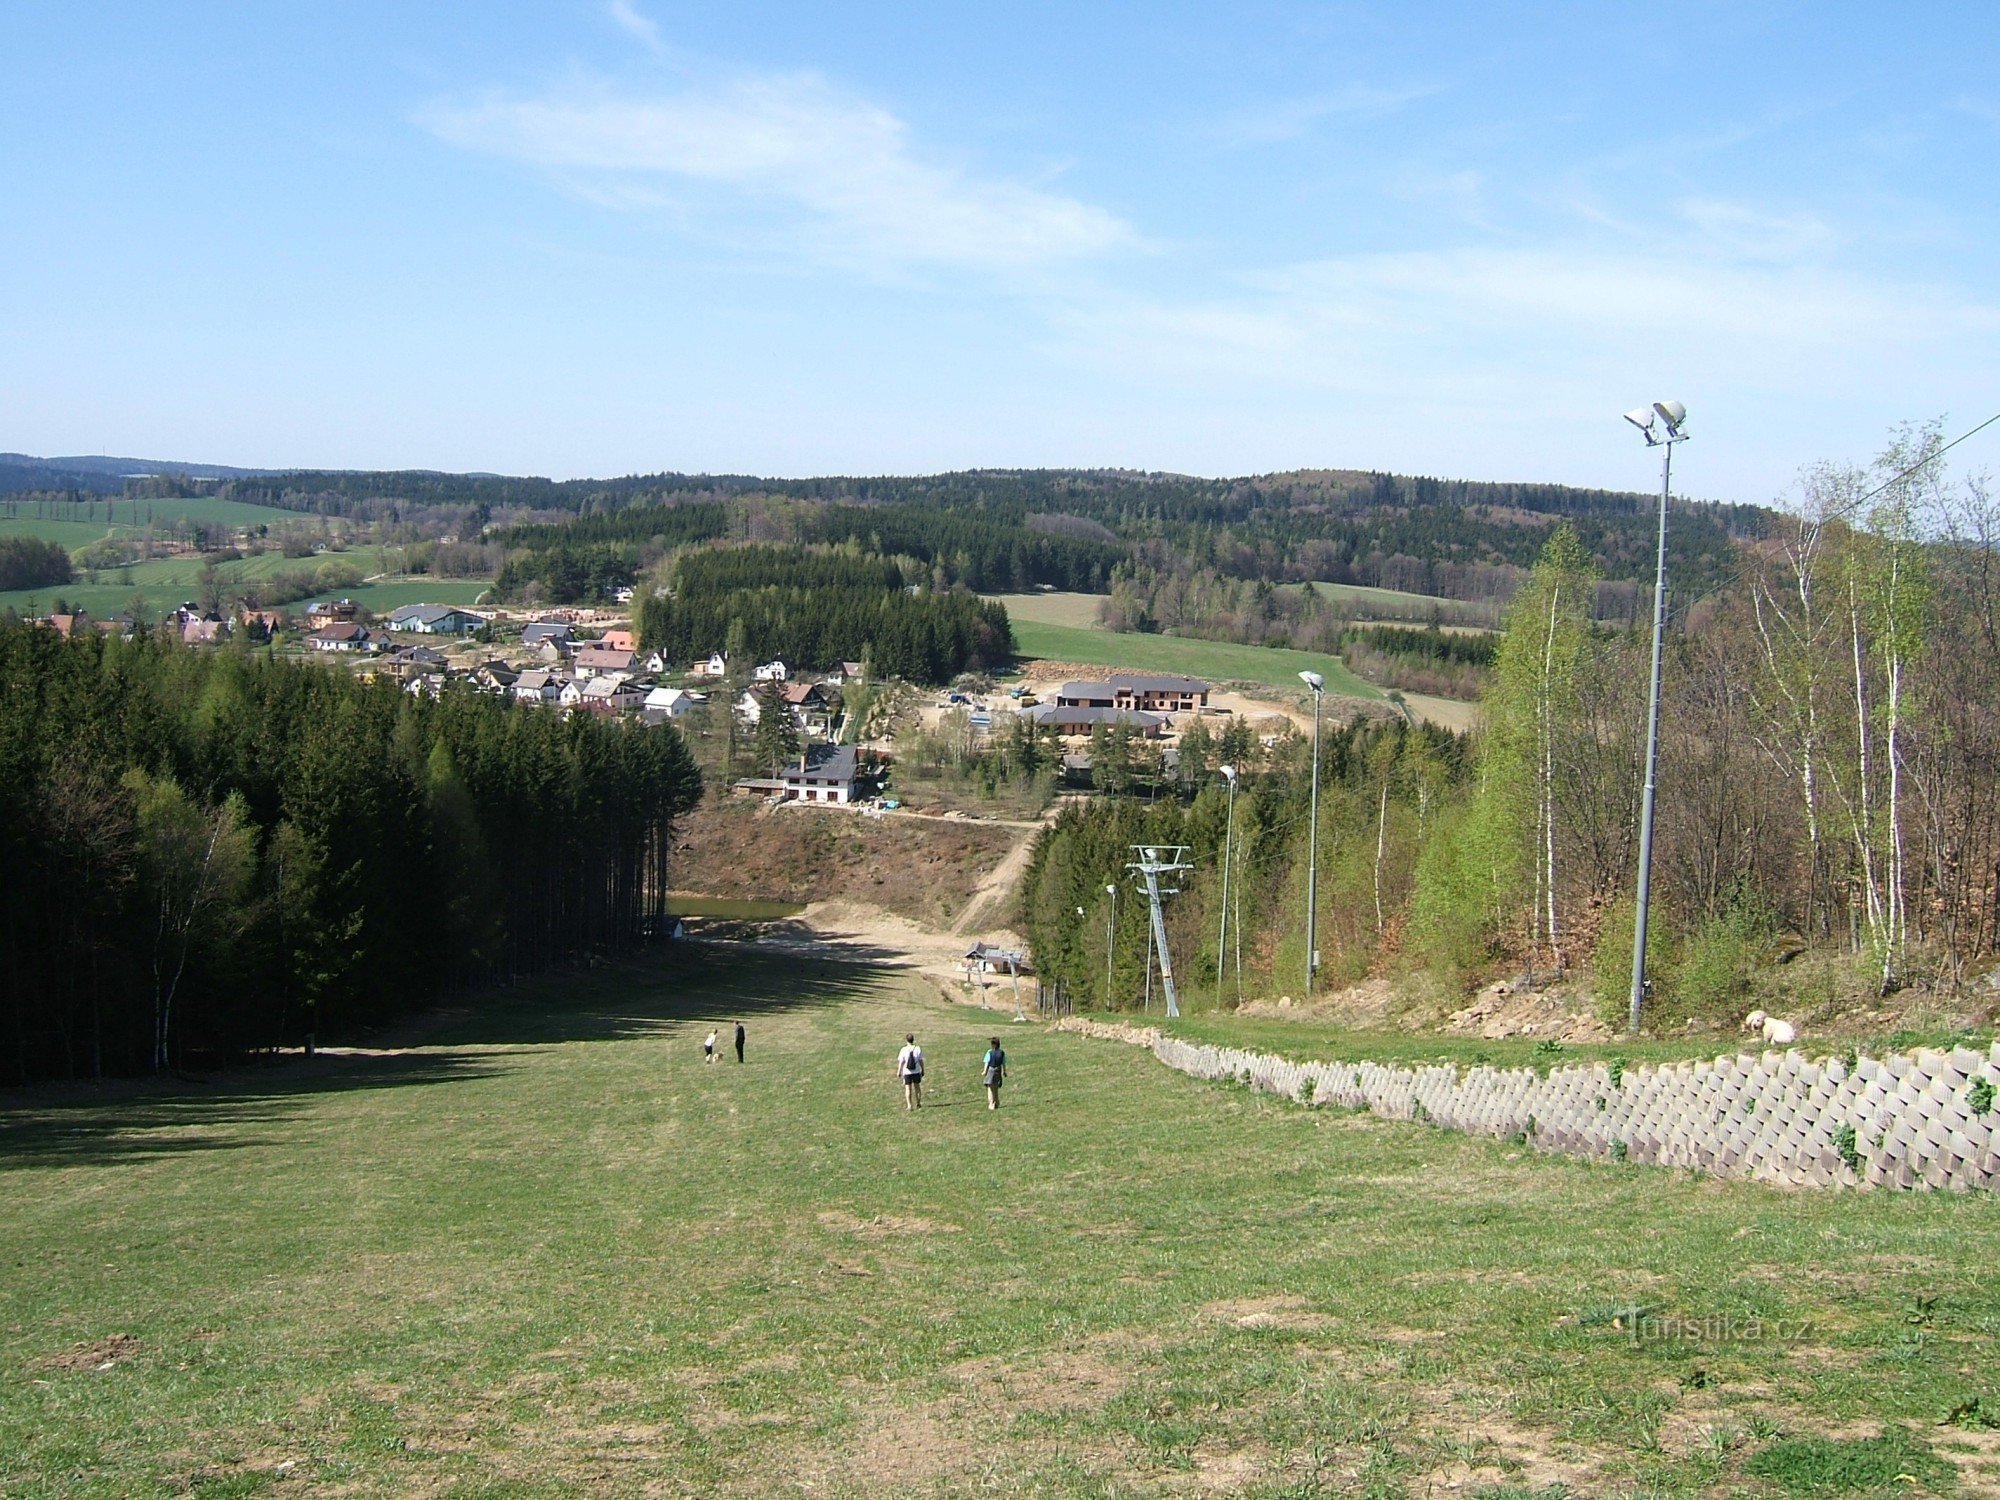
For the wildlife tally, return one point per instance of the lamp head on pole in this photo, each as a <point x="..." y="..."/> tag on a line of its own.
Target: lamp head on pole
<point x="1314" y="681"/>
<point x="1670" y="415"/>
<point x="1111" y="890"/>
<point x="1228" y="774"/>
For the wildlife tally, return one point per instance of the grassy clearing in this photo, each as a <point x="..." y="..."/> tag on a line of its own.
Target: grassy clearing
<point x="1217" y="661"/>
<point x="550" y="1252"/>
<point x="132" y="517"/>
<point x="1077" y="610"/>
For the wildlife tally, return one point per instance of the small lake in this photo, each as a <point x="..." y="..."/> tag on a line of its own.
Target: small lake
<point x="736" y="908"/>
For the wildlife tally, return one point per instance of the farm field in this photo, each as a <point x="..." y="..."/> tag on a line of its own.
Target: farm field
<point x="1078" y="610"/>
<point x="1216" y="661"/>
<point x="174" y="580"/>
<point x="550" y="1252"/>
<point x="1394" y="605"/>
<point x="91" y="521"/>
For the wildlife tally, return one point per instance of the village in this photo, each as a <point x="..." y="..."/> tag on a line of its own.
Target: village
<point x="590" y="661"/>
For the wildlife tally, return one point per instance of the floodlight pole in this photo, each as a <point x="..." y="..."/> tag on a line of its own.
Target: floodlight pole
<point x="1110" y="939"/>
<point x="1643" y="907"/>
<point x="1312" y="846"/>
<point x="1228" y="839"/>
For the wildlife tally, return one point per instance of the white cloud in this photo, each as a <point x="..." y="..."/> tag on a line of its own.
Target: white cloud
<point x="794" y="142"/>
<point x="629" y="19"/>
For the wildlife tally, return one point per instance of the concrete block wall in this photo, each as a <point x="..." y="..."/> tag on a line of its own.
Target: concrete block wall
<point x="1774" y="1117"/>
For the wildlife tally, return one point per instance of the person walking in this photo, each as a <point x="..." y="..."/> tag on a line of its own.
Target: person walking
<point x="708" y="1049"/>
<point x="994" y="1067"/>
<point x="739" y="1041"/>
<point x="910" y="1068"/>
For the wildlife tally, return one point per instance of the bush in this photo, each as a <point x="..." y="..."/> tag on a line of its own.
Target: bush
<point x="1713" y="969"/>
<point x="336" y="575"/>
<point x="1612" y="978"/>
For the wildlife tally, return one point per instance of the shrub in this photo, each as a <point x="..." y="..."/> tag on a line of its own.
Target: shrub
<point x="1714" y="965"/>
<point x="1612" y="978"/>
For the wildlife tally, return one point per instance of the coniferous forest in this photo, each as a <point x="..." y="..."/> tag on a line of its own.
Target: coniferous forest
<point x="815" y="609"/>
<point x="209" y="853"/>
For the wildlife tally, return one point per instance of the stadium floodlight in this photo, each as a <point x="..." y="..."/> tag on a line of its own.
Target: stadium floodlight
<point x="1228" y="848"/>
<point x="1317" y="683"/>
<point x="1675" y="416"/>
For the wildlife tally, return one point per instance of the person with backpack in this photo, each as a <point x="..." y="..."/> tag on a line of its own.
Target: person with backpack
<point x="994" y="1067"/>
<point x="910" y="1068"/>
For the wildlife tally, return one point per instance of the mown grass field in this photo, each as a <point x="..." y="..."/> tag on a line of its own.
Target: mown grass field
<point x="75" y="526"/>
<point x="1216" y="661"/>
<point x="549" y="1252"/>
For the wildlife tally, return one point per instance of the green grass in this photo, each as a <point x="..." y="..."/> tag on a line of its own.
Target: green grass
<point x="549" y="1252"/>
<point x="1217" y="661"/>
<point x="168" y="587"/>
<point x="1394" y="604"/>
<point x="130" y="517"/>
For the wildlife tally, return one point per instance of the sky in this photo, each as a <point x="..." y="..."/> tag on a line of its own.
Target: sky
<point x="619" y="236"/>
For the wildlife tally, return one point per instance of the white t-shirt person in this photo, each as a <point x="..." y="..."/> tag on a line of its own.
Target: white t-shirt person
<point x="910" y="1068"/>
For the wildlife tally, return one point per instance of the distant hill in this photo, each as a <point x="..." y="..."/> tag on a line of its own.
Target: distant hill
<point x="102" y="474"/>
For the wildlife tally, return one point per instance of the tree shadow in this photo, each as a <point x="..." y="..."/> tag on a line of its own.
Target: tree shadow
<point x="59" y="1125"/>
<point x="83" y="1124"/>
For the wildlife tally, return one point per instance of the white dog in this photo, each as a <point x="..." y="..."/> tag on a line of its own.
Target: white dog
<point x="1776" y="1033"/>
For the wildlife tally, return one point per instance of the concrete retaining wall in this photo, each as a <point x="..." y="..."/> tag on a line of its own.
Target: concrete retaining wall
<point x="1777" y="1117"/>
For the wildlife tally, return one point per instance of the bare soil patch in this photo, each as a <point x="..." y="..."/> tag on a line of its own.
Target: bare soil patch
<point x="924" y="870"/>
<point x="99" y="1354"/>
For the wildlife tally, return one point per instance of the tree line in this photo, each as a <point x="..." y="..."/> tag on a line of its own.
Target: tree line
<point x="27" y="562"/>
<point x="1829" y="786"/>
<point x="214" y="852"/>
<point x="816" y="608"/>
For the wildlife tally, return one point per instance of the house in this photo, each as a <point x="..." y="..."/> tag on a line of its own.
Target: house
<point x="331" y="612"/>
<point x="1074" y="720"/>
<point x="714" y="669"/>
<point x="771" y="671"/>
<point x="823" y="773"/>
<point x="203" y="632"/>
<point x="495" y="677"/>
<point x="615" y="691"/>
<point x="619" y="640"/>
<point x="538" y="685"/>
<point x="342" y="636"/>
<point x="672" y="703"/>
<point x="67" y="626"/>
<point x="426" y="684"/>
<point x="545" y="631"/>
<point x="554" y="653"/>
<point x="655" y="662"/>
<point x="852" y="671"/>
<point x="435" y="619"/>
<point x="1159" y="693"/>
<point x="1086" y="695"/>
<point x="269" y="621"/>
<point x="412" y="662"/>
<point x="1155" y="693"/>
<point x="596" y="661"/>
<point x="571" y="693"/>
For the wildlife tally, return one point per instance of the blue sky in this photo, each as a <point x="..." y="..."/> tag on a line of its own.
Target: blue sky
<point x="624" y="235"/>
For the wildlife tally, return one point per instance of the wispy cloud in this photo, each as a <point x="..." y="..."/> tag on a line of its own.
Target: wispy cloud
<point x="1546" y="327"/>
<point x="629" y="20"/>
<point x="1290" y="119"/>
<point x="843" y="168"/>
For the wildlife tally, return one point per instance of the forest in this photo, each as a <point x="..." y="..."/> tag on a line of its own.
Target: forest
<point x="28" y="563"/>
<point x="1829" y="788"/>
<point x="815" y="608"/>
<point x="211" y="853"/>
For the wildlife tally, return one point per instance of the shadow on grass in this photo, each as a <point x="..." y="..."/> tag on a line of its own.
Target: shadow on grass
<point x="81" y="1125"/>
<point x="61" y="1125"/>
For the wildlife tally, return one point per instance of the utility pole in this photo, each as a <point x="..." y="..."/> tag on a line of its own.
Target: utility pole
<point x="1110" y="941"/>
<point x="1317" y="683"/>
<point x="1154" y="861"/>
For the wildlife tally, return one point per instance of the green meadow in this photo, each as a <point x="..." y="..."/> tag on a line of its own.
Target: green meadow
<point x="546" y="1250"/>
<point x="1216" y="661"/>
